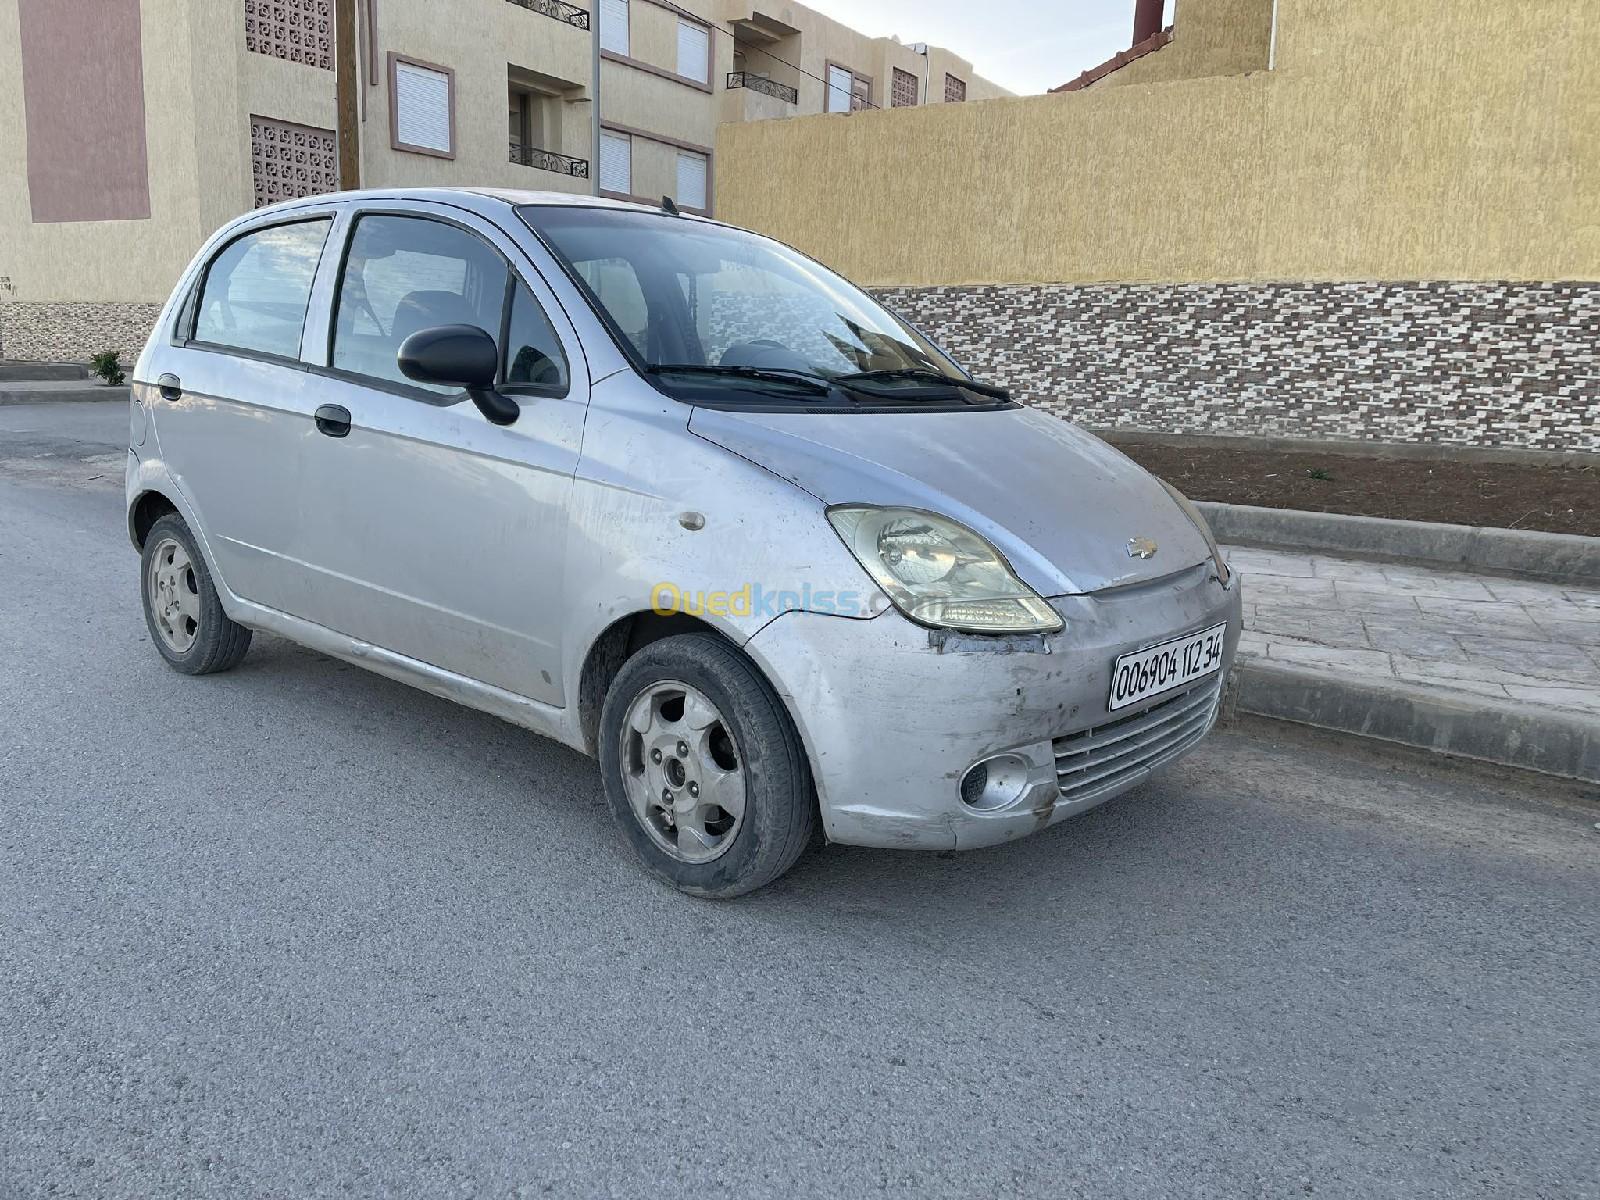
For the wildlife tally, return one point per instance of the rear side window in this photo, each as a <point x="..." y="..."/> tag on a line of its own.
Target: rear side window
<point x="406" y="274"/>
<point x="257" y="289"/>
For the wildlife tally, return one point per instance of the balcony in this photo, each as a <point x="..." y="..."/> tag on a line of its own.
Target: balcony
<point x="549" y="160"/>
<point x="569" y="14"/>
<point x="760" y="83"/>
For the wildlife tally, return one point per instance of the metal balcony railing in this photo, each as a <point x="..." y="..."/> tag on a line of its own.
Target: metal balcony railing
<point x="762" y="84"/>
<point x="569" y="14"/>
<point x="549" y="160"/>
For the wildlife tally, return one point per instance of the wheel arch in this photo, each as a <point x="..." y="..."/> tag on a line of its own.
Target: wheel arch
<point x="148" y="508"/>
<point x="615" y="645"/>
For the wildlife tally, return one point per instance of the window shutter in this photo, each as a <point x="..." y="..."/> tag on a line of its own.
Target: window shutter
<point x="614" y="26"/>
<point x="691" y="180"/>
<point x="694" y="52"/>
<point x="616" y="163"/>
<point x="422" y="107"/>
<point x="839" y="83"/>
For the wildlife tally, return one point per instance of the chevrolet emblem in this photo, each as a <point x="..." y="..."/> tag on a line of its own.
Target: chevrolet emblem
<point x="1141" y="547"/>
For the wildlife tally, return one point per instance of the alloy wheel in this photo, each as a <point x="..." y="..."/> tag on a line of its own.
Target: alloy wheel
<point x="682" y="771"/>
<point x="174" y="595"/>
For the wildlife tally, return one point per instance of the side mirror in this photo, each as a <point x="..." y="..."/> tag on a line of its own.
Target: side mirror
<point x="461" y="356"/>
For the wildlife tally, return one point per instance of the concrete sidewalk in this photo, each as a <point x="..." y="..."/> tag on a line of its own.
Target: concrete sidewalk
<point x="1521" y="660"/>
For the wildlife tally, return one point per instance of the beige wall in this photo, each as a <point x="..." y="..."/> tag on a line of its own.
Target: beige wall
<point x="95" y="260"/>
<point x="479" y="40"/>
<point x="1439" y="139"/>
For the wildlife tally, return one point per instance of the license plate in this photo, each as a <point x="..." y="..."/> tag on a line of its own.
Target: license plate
<point x="1167" y="665"/>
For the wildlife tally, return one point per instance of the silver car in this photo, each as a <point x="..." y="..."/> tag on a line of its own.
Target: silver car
<point x="675" y="495"/>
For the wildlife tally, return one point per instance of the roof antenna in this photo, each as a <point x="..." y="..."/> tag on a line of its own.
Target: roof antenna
<point x="668" y="207"/>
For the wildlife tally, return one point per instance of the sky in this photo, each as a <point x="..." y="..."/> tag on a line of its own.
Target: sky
<point x="1023" y="45"/>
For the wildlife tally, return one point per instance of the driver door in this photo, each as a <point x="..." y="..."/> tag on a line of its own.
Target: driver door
<point x="429" y="531"/>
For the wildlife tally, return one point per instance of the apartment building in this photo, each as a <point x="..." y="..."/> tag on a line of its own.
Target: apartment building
<point x="130" y="129"/>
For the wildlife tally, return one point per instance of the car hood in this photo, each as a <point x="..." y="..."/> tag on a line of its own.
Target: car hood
<point x="1059" y="503"/>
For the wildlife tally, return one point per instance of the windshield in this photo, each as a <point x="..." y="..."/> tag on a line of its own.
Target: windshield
<point x="702" y="304"/>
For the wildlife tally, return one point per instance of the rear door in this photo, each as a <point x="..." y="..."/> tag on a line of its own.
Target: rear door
<point x="235" y="402"/>
<point x="430" y="531"/>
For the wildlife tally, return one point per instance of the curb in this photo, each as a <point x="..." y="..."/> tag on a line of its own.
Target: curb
<point x="62" y="395"/>
<point x="1558" y="557"/>
<point x="31" y="372"/>
<point x="1504" y="732"/>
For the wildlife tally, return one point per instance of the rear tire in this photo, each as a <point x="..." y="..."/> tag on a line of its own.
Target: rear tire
<point x="181" y="607"/>
<point x="705" y="773"/>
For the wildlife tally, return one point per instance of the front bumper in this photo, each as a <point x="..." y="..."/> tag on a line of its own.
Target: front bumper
<point x="893" y="714"/>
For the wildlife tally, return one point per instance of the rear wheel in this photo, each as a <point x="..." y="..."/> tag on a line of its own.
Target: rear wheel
<point x="703" y="768"/>
<point x="181" y="608"/>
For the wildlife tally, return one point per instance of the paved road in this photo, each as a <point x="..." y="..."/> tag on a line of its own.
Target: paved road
<point x="299" y="930"/>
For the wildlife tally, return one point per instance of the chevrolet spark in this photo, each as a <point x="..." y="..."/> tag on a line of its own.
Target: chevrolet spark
<point x="675" y="495"/>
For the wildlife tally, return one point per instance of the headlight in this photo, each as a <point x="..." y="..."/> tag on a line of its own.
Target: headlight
<point x="939" y="572"/>
<point x="1193" y="513"/>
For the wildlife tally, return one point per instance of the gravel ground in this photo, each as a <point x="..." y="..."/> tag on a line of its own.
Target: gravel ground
<point x="297" y="930"/>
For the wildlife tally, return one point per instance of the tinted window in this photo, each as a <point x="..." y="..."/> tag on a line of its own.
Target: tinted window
<point x="257" y="289"/>
<point x="533" y="355"/>
<point x="405" y="274"/>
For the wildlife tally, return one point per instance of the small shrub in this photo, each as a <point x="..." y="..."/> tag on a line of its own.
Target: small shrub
<point x="107" y="364"/>
<point x="1318" y="473"/>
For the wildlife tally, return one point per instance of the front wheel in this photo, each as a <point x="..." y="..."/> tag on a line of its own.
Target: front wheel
<point x="703" y="768"/>
<point x="181" y="607"/>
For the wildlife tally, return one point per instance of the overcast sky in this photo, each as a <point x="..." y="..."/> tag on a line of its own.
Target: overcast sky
<point x="1024" y="45"/>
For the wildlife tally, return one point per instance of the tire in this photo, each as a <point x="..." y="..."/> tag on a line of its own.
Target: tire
<point x="689" y="845"/>
<point x="181" y="608"/>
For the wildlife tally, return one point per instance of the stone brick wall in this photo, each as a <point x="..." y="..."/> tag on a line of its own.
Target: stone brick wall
<point x="1470" y="364"/>
<point x="68" y="332"/>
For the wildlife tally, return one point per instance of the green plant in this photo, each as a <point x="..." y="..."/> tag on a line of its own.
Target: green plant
<point x="1318" y="473"/>
<point x="107" y="364"/>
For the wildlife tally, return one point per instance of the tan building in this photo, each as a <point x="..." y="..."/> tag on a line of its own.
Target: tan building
<point x="130" y="129"/>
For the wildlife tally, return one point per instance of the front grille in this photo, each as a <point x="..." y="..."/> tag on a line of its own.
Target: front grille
<point x="1094" y="760"/>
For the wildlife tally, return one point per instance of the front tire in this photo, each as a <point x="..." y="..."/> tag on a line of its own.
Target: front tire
<point x="181" y="608"/>
<point x="703" y="768"/>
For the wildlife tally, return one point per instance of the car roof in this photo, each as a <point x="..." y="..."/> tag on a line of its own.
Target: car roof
<point x="476" y="199"/>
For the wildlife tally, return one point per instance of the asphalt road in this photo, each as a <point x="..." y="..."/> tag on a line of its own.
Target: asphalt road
<point x="297" y="930"/>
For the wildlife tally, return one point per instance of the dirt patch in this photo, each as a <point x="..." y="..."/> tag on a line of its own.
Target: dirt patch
<point x="1556" y="499"/>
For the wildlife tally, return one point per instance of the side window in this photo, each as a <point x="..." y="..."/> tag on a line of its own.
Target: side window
<point x="405" y="274"/>
<point x="257" y="289"/>
<point x="533" y="354"/>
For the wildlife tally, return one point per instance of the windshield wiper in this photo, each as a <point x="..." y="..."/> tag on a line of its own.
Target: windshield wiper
<point x="923" y="375"/>
<point x="801" y="379"/>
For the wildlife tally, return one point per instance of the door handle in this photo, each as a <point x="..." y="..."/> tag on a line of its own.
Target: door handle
<point x="170" y="387"/>
<point x="333" y="420"/>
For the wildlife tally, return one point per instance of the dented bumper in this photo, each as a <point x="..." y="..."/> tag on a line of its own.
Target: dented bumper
<point x="893" y="714"/>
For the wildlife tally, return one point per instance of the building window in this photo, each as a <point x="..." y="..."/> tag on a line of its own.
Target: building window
<point x="692" y="174"/>
<point x="289" y="161"/>
<point x="294" y="30"/>
<point x="422" y="116"/>
<point x="955" y="90"/>
<point x="614" y="26"/>
<point x="616" y="163"/>
<point x="903" y="92"/>
<point x="694" y="51"/>
<point x="847" y="90"/>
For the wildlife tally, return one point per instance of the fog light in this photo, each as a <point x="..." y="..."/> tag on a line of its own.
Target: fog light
<point x="995" y="783"/>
